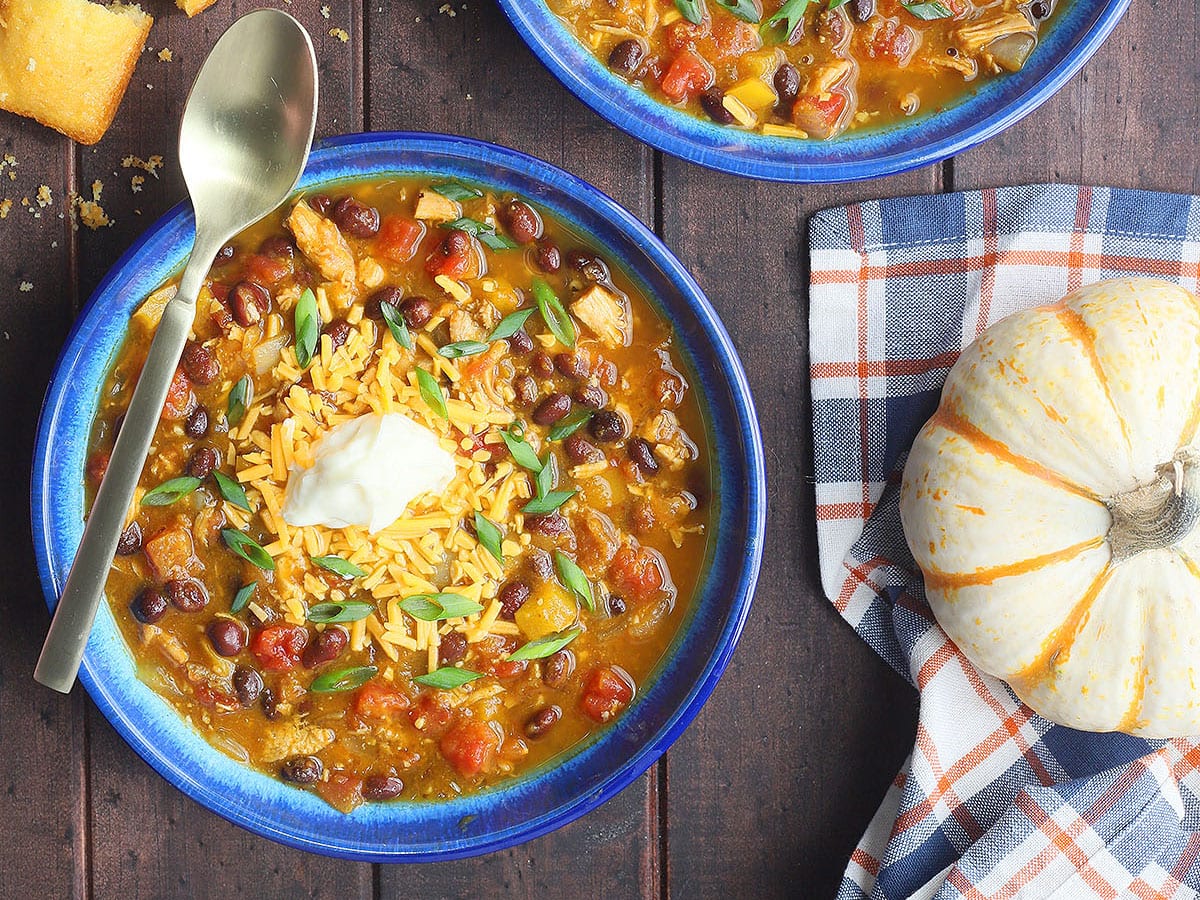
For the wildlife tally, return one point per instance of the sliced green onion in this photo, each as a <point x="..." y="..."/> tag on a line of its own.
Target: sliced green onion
<point x="791" y="14"/>
<point x="308" y="328"/>
<point x="170" y="491"/>
<point x="489" y="535"/>
<point x="247" y="548"/>
<point x="396" y="325"/>
<point x="231" y="491"/>
<point x="338" y="566"/>
<point x="510" y="324"/>
<point x="690" y="10"/>
<point x="343" y="680"/>
<point x="486" y="233"/>
<point x="553" y="313"/>
<point x="431" y="393"/>
<point x="242" y="597"/>
<point x="240" y="398"/>
<point x="573" y="579"/>
<point x="545" y="646"/>
<point x="452" y="190"/>
<point x="573" y="421"/>
<point x="447" y="678"/>
<point x="928" y="11"/>
<point x="748" y="12"/>
<point x="459" y="349"/>
<point x="436" y="607"/>
<point x="348" y="611"/>
<point x="541" y="506"/>
<point x="522" y="452"/>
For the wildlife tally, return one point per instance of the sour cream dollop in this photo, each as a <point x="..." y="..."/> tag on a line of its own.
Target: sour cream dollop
<point x="366" y="472"/>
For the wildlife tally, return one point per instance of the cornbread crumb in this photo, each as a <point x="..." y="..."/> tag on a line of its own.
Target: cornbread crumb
<point x="5" y="206"/>
<point x="44" y="197"/>
<point x="149" y="166"/>
<point x="325" y="12"/>
<point x="447" y="10"/>
<point x="25" y="287"/>
<point x="136" y="182"/>
<point x="340" y="33"/>
<point x="165" y="54"/>
<point x="90" y="212"/>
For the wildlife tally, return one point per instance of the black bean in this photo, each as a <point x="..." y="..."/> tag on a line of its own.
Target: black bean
<point x="248" y="301"/>
<point x="224" y="255"/>
<point x="247" y="684"/>
<point x="381" y="787"/>
<point x="558" y="668"/>
<point x="626" y="57"/>
<point x="526" y="389"/>
<point x="522" y="222"/>
<point x="520" y="342"/>
<point x="270" y="705"/>
<point x="227" y="636"/>
<point x="130" y="541"/>
<point x="1040" y="9"/>
<point x="199" y="364"/>
<point x="197" y="423"/>
<point x="573" y="365"/>
<point x="542" y="721"/>
<point x="203" y="461"/>
<point x="540" y="564"/>
<point x="320" y="203"/>
<point x="552" y="408"/>
<point x="149" y="606"/>
<point x="187" y="594"/>
<point x="355" y="218"/>
<point x="862" y="9"/>
<point x="713" y="104"/>
<point x="512" y="597"/>
<point x="580" y="450"/>
<point x="277" y="246"/>
<point x="451" y="648"/>
<point x="552" y="525"/>
<point x="616" y="605"/>
<point x="456" y="243"/>
<point x="787" y="83"/>
<point x="301" y="770"/>
<point x="389" y="294"/>
<point x="325" y="647"/>
<point x="607" y="426"/>
<point x="543" y="365"/>
<point x="547" y="256"/>
<point x="417" y="311"/>
<point x="642" y="454"/>
<point x="590" y="395"/>
<point x="588" y="265"/>
<point x="339" y="332"/>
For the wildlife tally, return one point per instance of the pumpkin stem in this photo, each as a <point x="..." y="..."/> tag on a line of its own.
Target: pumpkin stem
<point x="1158" y="514"/>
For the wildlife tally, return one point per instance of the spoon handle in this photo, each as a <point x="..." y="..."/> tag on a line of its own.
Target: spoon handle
<point x="62" y="653"/>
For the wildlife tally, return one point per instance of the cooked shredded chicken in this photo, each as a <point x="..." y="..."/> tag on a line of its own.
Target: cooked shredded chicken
<point x="290" y="739"/>
<point x="321" y="242"/>
<point x="978" y="34"/>
<point x="606" y="313"/>
<point x="433" y="207"/>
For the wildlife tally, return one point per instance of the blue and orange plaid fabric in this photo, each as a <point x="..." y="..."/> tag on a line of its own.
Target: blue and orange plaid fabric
<point x="994" y="801"/>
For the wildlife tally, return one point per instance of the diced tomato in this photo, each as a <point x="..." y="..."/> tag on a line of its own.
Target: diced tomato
<point x="639" y="574"/>
<point x="687" y="75"/>
<point x="470" y="747"/>
<point x="342" y="791"/>
<point x="607" y="692"/>
<point x="683" y="35"/>
<point x="278" y="647"/>
<point x="430" y="715"/>
<point x="819" y="115"/>
<point x="97" y="465"/>
<point x="445" y="261"/>
<point x="893" y="41"/>
<point x="170" y="554"/>
<point x="209" y="695"/>
<point x="181" y="402"/>
<point x="377" y="700"/>
<point x="267" y="269"/>
<point x="399" y="237"/>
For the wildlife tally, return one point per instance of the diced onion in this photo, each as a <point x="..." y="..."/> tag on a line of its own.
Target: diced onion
<point x="1011" y="51"/>
<point x="266" y="354"/>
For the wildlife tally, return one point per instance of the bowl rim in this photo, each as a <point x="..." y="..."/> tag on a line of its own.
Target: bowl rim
<point x="792" y="160"/>
<point x="738" y="596"/>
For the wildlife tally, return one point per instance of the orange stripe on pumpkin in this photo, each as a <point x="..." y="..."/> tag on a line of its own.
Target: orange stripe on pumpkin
<point x="1132" y="718"/>
<point x="953" y="420"/>
<point x="1056" y="649"/>
<point x="1080" y="330"/>
<point x="944" y="580"/>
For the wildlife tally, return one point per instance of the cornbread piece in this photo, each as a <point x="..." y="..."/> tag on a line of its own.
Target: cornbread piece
<point x="191" y="7"/>
<point x="66" y="63"/>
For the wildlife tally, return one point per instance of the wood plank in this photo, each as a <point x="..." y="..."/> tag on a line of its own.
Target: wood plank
<point x="42" y="769"/>
<point x="514" y="101"/>
<point x="776" y="780"/>
<point x="1127" y="120"/>
<point x="150" y="840"/>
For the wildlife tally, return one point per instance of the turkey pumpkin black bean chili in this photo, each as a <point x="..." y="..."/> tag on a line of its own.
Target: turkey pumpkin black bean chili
<point x="807" y="68"/>
<point x="427" y="499"/>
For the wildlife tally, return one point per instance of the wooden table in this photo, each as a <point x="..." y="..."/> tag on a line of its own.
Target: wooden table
<point x="769" y="789"/>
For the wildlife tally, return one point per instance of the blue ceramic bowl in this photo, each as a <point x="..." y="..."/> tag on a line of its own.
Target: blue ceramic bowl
<point x="541" y="800"/>
<point x="1077" y="32"/>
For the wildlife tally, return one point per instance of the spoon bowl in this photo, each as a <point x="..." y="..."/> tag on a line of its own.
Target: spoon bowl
<point x="246" y="132"/>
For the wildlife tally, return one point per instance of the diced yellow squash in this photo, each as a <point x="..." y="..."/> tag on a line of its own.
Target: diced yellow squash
<point x="753" y="92"/>
<point x="549" y="611"/>
<point x="759" y="64"/>
<point x="739" y="110"/>
<point x="433" y="207"/>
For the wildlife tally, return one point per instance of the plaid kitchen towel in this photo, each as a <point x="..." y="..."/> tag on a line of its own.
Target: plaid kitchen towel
<point x="994" y="801"/>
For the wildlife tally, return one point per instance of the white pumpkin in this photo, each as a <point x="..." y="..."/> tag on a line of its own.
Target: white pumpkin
<point x="1053" y="500"/>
